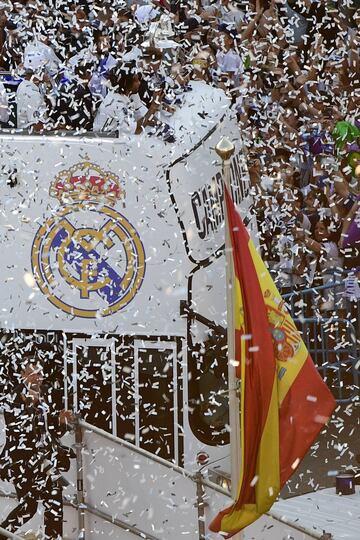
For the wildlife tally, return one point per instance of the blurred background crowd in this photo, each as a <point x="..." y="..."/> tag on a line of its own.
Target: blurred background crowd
<point x="289" y="67"/>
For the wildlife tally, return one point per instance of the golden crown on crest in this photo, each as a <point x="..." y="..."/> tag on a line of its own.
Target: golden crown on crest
<point x="86" y="182"/>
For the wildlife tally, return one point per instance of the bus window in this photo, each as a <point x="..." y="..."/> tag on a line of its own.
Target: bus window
<point x="208" y="390"/>
<point x="125" y="396"/>
<point x="93" y="376"/>
<point x="156" y="431"/>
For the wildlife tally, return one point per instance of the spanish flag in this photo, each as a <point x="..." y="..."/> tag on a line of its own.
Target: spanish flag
<point x="284" y="402"/>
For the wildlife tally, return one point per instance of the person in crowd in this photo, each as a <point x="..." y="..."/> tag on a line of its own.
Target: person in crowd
<point x="326" y="264"/>
<point x="291" y="269"/>
<point x="229" y="62"/>
<point x="350" y="234"/>
<point x="4" y="106"/>
<point x="224" y="12"/>
<point x="349" y="241"/>
<point x="38" y="55"/>
<point x="32" y="112"/>
<point x="12" y="49"/>
<point x="153" y="80"/>
<point x="33" y="457"/>
<point x="105" y="61"/>
<point x="120" y="112"/>
<point x="72" y="105"/>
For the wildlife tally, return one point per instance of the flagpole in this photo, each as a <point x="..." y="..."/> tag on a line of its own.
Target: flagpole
<point x="225" y="149"/>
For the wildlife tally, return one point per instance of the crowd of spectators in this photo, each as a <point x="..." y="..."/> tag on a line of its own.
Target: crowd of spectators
<point x="290" y="67"/>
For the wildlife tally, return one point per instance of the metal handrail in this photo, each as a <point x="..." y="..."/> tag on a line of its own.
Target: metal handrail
<point x="131" y="528"/>
<point x="192" y="476"/>
<point x="122" y="525"/>
<point x="22" y="132"/>
<point x="145" y="453"/>
<point x="118" y="523"/>
<point x="92" y="510"/>
<point x="281" y="519"/>
<point x="136" y="449"/>
<point x="9" y="534"/>
<point x="309" y="290"/>
<point x="82" y="504"/>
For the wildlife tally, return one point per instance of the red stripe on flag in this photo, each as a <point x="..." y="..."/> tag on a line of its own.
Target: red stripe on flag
<point x="306" y="408"/>
<point x="260" y="361"/>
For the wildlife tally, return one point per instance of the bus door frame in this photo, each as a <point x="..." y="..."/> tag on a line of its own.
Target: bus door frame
<point x="70" y="357"/>
<point x="157" y="345"/>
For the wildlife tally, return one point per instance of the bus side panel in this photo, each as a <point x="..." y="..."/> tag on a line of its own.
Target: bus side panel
<point x="100" y="265"/>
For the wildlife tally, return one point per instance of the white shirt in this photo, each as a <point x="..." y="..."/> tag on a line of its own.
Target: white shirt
<point x="202" y="107"/>
<point x="4" y="105"/>
<point x="329" y="262"/>
<point x="289" y="261"/>
<point x="85" y="56"/>
<point x="138" y="106"/>
<point x="115" y="113"/>
<point x="133" y="55"/>
<point x="145" y="14"/>
<point x="332" y="260"/>
<point x="31" y="107"/>
<point x="230" y="15"/>
<point x="98" y="80"/>
<point x="230" y="61"/>
<point x="38" y="55"/>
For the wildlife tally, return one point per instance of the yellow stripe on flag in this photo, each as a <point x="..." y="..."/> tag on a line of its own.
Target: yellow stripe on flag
<point x="291" y="366"/>
<point x="268" y="465"/>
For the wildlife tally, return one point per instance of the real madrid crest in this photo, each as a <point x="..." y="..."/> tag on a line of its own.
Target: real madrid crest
<point x="87" y="258"/>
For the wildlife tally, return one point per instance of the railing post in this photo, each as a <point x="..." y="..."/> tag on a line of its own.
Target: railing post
<point x="200" y="504"/>
<point x="80" y="479"/>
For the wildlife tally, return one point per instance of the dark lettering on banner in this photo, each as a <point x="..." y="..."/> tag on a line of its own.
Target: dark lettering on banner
<point x="205" y="202"/>
<point x="211" y="206"/>
<point x="219" y="199"/>
<point x="208" y="202"/>
<point x="196" y="205"/>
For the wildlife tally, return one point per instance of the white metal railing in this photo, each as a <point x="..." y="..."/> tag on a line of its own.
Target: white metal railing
<point x="118" y="523"/>
<point x="82" y="506"/>
<point x="281" y="519"/>
<point x="153" y="457"/>
<point x="196" y="478"/>
<point x="136" y="449"/>
<point x="91" y="510"/>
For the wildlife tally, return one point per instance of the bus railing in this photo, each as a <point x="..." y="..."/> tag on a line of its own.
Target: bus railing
<point x="21" y="132"/>
<point x="309" y="302"/>
<point x="118" y="523"/>
<point x="153" y="457"/>
<point x="196" y="478"/>
<point x="327" y="320"/>
<point x="331" y="344"/>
